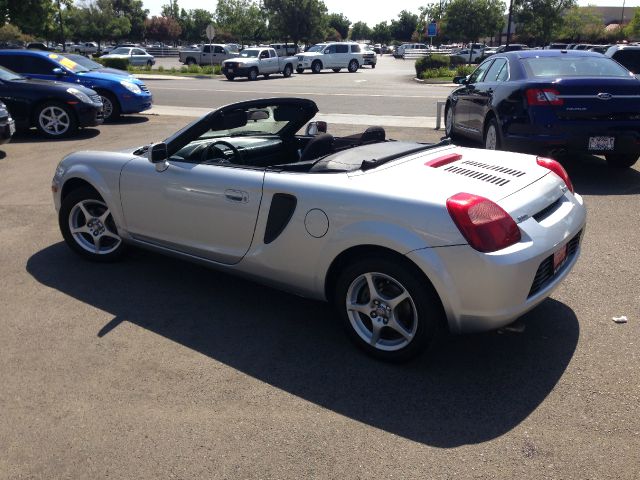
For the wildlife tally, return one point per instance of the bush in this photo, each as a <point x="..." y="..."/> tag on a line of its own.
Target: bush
<point x="464" y="70"/>
<point x="194" y="69"/>
<point x="184" y="69"/>
<point x="455" y="61"/>
<point x="119" y="63"/>
<point x="442" y="72"/>
<point x="431" y="62"/>
<point x="161" y="68"/>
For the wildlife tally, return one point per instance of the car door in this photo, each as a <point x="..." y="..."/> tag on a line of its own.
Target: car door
<point x="465" y="99"/>
<point x="273" y="61"/>
<point x="138" y="57"/>
<point x="220" y="54"/>
<point x="208" y="211"/>
<point x="329" y="57"/>
<point x="207" y="55"/>
<point x="482" y="95"/>
<point x="342" y="57"/>
<point x="266" y="64"/>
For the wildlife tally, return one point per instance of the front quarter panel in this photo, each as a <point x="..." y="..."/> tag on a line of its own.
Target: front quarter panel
<point x="102" y="171"/>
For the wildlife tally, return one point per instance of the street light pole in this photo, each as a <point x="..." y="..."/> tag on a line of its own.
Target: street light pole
<point x="509" y="22"/>
<point x="622" y="15"/>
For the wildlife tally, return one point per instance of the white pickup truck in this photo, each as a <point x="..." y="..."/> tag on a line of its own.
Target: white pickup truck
<point x="207" y="54"/>
<point x="252" y="62"/>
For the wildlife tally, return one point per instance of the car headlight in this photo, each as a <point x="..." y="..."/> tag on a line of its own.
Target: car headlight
<point x="132" y="87"/>
<point x="83" y="97"/>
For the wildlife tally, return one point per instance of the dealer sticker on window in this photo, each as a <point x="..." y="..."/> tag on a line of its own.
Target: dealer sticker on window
<point x="601" y="143"/>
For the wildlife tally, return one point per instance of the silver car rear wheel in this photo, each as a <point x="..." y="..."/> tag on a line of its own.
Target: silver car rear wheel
<point x="381" y="311"/>
<point x="388" y="306"/>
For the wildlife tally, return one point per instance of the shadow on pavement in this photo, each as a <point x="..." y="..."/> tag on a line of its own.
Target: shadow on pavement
<point x="32" y="135"/>
<point x="128" y="120"/>
<point x="470" y="390"/>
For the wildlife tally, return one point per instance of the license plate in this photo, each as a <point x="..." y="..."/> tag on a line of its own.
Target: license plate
<point x="559" y="257"/>
<point x="601" y="143"/>
<point x="230" y="70"/>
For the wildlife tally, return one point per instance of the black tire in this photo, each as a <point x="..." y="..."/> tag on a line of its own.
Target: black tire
<point x="353" y="66"/>
<point x="419" y="316"/>
<point x="621" y="160"/>
<point x="316" y="66"/>
<point x="336" y="69"/>
<point x="266" y="75"/>
<point x="488" y="137"/>
<point x="149" y="63"/>
<point x="286" y="73"/>
<point x="373" y="65"/>
<point x="55" y="120"/>
<point x="229" y="77"/>
<point x="448" y="125"/>
<point x="299" y="70"/>
<point x="190" y="61"/>
<point x="110" y="248"/>
<point x="253" y="74"/>
<point x="110" y="106"/>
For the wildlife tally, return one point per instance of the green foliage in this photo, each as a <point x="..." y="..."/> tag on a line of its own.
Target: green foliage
<point x="464" y="70"/>
<point x="470" y="20"/>
<point x="119" y="63"/>
<point x="441" y="72"/>
<point x="194" y="24"/>
<point x="97" y="21"/>
<point x="432" y="62"/>
<point x="297" y="19"/>
<point x="632" y="30"/>
<point x="242" y="18"/>
<point x="135" y="12"/>
<point x="32" y="17"/>
<point x="455" y="61"/>
<point x="340" y="23"/>
<point x="184" y="69"/>
<point x="404" y="26"/>
<point x="538" y="21"/>
<point x="360" y="31"/>
<point x="582" y="24"/>
<point x="194" y="69"/>
<point x="162" y="28"/>
<point x="160" y="69"/>
<point x="10" y="33"/>
<point x="381" y="33"/>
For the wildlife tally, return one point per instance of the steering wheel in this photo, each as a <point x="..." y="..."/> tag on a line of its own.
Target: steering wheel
<point x="211" y="148"/>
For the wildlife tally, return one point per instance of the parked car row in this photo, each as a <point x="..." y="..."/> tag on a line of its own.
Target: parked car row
<point x="57" y="94"/>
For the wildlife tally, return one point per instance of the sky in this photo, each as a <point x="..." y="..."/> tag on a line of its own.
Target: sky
<point x="370" y="12"/>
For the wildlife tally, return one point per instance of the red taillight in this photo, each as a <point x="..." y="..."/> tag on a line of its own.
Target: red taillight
<point x="556" y="168"/>
<point x="544" y="96"/>
<point x="443" y="160"/>
<point x="485" y="225"/>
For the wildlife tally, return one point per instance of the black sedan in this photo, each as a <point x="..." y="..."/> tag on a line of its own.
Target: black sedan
<point x="7" y="125"/>
<point x="56" y="109"/>
<point x="549" y="102"/>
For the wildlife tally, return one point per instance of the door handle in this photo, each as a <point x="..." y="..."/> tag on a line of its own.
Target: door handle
<point x="236" y="195"/>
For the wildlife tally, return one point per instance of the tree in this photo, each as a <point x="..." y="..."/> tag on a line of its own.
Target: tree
<point x="582" y="24"/>
<point x="468" y="20"/>
<point x="360" y="31"/>
<point x="632" y="30"/>
<point x="403" y="27"/>
<point x="135" y="12"/>
<point x="243" y="18"/>
<point x="171" y="10"/>
<point x="297" y="19"/>
<point x="194" y="23"/>
<point x="12" y="34"/>
<point x="540" y="20"/>
<point x="97" y="21"/>
<point x="162" y="28"/>
<point x="381" y="33"/>
<point x="340" y="23"/>
<point x="32" y="17"/>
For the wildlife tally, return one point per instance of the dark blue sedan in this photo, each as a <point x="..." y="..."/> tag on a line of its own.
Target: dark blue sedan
<point x="550" y="102"/>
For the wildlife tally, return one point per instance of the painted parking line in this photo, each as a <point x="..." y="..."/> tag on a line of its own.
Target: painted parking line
<point x="337" y="118"/>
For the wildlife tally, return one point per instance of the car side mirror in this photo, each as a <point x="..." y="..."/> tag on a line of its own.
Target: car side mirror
<point x="157" y="153"/>
<point x="314" y="128"/>
<point x="58" y="71"/>
<point x="460" y="80"/>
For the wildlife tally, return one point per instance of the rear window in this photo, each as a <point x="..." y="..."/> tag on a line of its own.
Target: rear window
<point x="567" y="66"/>
<point x="629" y="59"/>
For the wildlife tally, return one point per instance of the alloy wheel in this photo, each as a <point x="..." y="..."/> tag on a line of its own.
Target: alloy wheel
<point x="54" y="120"/>
<point x="92" y="227"/>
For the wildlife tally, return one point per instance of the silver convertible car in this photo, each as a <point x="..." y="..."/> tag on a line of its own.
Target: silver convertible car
<point x="406" y="239"/>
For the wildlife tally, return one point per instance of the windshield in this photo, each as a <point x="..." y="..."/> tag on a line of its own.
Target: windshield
<point x="566" y="66"/>
<point x="84" y="61"/>
<point x="67" y="63"/>
<point x="120" y="51"/>
<point x="250" y="53"/>
<point x="8" y="75"/>
<point x="317" y="48"/>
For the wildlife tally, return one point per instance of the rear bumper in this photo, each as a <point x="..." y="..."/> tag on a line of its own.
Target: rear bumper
<point x="485" y="291"/>
<point x="573" y="138"/>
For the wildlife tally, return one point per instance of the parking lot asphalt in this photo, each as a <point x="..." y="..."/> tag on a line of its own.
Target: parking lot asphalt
<point x="156" y="368"/>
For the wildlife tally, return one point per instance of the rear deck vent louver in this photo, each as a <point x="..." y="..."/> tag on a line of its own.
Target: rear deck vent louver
<point x="495" y="168"/>
<point x="485" y="177"/>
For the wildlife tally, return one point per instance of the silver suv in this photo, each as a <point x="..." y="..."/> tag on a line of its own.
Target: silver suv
<point x="333" y="55"/>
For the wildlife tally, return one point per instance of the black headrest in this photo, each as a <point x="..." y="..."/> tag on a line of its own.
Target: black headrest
<point x="373" y="134"/>
<point x="318" y="146"/>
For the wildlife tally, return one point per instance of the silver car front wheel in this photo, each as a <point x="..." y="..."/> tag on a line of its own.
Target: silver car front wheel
<point x="88" y="227"/>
